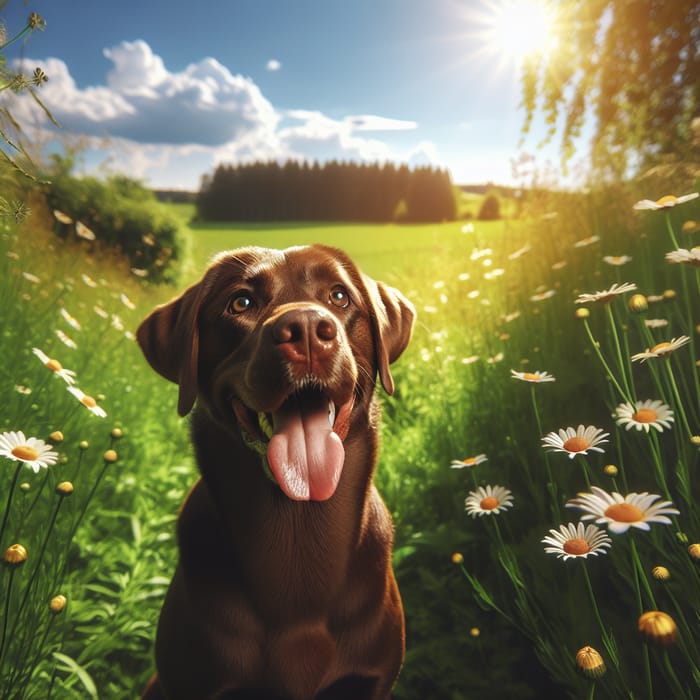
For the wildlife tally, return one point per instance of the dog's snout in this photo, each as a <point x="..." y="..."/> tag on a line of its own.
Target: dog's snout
<point x="301" y="333"/>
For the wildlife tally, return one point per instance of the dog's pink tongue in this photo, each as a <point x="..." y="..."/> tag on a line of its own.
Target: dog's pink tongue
<point x="304" y="454"/>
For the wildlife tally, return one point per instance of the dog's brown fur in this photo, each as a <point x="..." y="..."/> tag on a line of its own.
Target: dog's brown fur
<point x="280" y="593"/>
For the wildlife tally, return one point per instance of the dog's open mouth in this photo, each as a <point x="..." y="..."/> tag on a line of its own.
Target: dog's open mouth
<point x="302" y="441"/>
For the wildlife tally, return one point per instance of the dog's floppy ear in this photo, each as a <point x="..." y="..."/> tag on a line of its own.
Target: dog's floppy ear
<point x="169" y="338"/>
<point x="392" y="323"/>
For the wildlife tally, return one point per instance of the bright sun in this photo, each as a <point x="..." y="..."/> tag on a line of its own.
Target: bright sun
<point x="515" y="29"/>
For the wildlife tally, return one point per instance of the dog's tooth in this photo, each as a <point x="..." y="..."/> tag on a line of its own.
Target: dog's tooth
<point x="331" y="413"/>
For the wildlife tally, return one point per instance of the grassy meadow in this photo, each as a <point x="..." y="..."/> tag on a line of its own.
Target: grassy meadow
<point x="490" y="613"/>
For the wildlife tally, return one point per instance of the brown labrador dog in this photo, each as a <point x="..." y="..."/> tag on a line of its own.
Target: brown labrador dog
<point x="284" y="588"/>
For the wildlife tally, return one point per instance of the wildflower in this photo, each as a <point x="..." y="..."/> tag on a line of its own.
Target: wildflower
<point x="542" y="296"/>
<point x="644" y="415"/>
<point x="507" y="318"/>
<point x="110" y="456"/>
<point x="656" y="323"/>
<point x="468" y="462"/>
<point x="665" y="202"/>
<point x="87" y="401"/>
<point x="66" y="339"/>
<point x="65" y="488"/>
<point x="15" y="555"/>
<point x="689" y="257"/>
<point x="88" y="280"/>
<point x="661" y="573"/>
<point x="117" y="433"/>
<point x="637" y="303"/>
<point x="520" y="252"/>
<point x="474" y="632"/>
<point x="56" y="436"/>
<point x="610" y="470"/>
<point x="689" y="226"/>
<point x="576" y="441"/>
<point x="607" y="295"/>
<point x="57" y="604"/>
<point x="617" y="260"/>
<point x="694" y="551"/>
<point x="582" y="313"/>
<point x="620" y="513"/>
<point x="559" y="265"/>
<point x="139" y="272"/>
<point x="485" y="501"/>
<point x="590" y="662"/>
<point x="576" y="540"/>
<point x="498" y="357"/>
<point x="61" y="217"/>
<point x="100" y="311"/>
<point x="658" y="626"/>
<point x="661" y="349"/>
<point x="470" y="360"/>
<point x="533" y="377"/>
<point x="127" y="302"/>
<point x="457" y="558"/>
<point x="70" y="320"/>
<point x="84" y="232"/>
<point x="35" y="453"/>
<point x="586" y="241"/>
<point x="31" y="277"/>
<point x="67" y="375"/>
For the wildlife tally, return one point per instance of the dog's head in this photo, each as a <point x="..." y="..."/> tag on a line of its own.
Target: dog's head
<point x="285" y="346"/>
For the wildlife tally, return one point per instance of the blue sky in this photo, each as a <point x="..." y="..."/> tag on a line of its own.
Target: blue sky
<point x="166" y="89"/>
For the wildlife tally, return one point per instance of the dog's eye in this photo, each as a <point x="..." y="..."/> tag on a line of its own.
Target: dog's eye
<point x="240" y="303"/>
<point x="339" y="297"/>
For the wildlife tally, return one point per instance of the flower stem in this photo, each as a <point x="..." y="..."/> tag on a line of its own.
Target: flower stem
<point x="596" y="348"/>
<point x="9" y="500"/>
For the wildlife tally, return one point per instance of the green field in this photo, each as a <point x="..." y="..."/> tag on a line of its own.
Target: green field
<point x="491" y="298"/>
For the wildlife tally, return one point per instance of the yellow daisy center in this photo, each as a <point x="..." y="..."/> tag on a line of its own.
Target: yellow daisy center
<point x="532" y="376"/>
<point x="54" y="365"/>
<point x="661" y="347"/>
<point x="666" y="200"/>
<point x="25" y="453"/>
<point x="88" y="401"/>
<point x="576" y="546"/>
<point x="624" y="513"/>
<point x="576" y="444"/>
<point x="645" y="415"/>
<point x="489" y="503"/>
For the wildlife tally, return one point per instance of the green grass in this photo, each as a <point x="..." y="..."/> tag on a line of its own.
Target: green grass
<point x="491" y="299"/>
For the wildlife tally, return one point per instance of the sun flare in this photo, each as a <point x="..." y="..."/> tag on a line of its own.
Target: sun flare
<point x="516" y="29"/>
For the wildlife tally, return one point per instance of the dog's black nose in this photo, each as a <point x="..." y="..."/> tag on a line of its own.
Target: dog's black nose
<point x="301" y="333"/>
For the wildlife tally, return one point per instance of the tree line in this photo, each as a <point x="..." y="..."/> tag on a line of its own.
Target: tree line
<point x="333" y="191"/>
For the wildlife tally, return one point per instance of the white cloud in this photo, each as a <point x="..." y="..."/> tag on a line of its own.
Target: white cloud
<point x="154" y="119"/>
<point x="273" y="65"/>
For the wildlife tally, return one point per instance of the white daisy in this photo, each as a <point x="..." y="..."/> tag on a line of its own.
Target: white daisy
<point x="656" y="323"/>
<point x="66" y="339"/>
<point x="617" y="260"/>
<point x="84" y="232"/>
<point x="70" y="320"/>
<point x="689" y="257"/>
<point x="620" y="513"/>
<point x="68" y="375"/>
<point x="88" y="402"/>
<point x="35" y="453"/>
<point x="665" y="202"/>
<point x="542" y="296"/>
<point x="533" y="377"/>
<point x="488" y="500"/>
<point x="576" y="441"/>
<point x="61" y="217"/>
<point x="644" y="415"/>
<point x="661" y="349"/>
<point x="576" y="540"/>
<point x="586" y="241"/>
<point x="607" y="295"/>
<point x="468" y="462"/>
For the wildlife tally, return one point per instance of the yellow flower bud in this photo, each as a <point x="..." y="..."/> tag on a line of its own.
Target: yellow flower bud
<point x="658" y="626"/>
<point x="57" y="604"/>
<point x="590" y="662"/>
<point x="15" y="555"/>
<point x="110" y="456"/>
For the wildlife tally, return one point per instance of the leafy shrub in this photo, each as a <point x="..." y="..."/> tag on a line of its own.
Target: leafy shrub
<point x="490" y="209"/>
<point x="123" y="215"/>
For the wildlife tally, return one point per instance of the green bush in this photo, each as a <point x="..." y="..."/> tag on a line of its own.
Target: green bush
<point x="123" y="215"/>
<point x="490" y="209"/>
